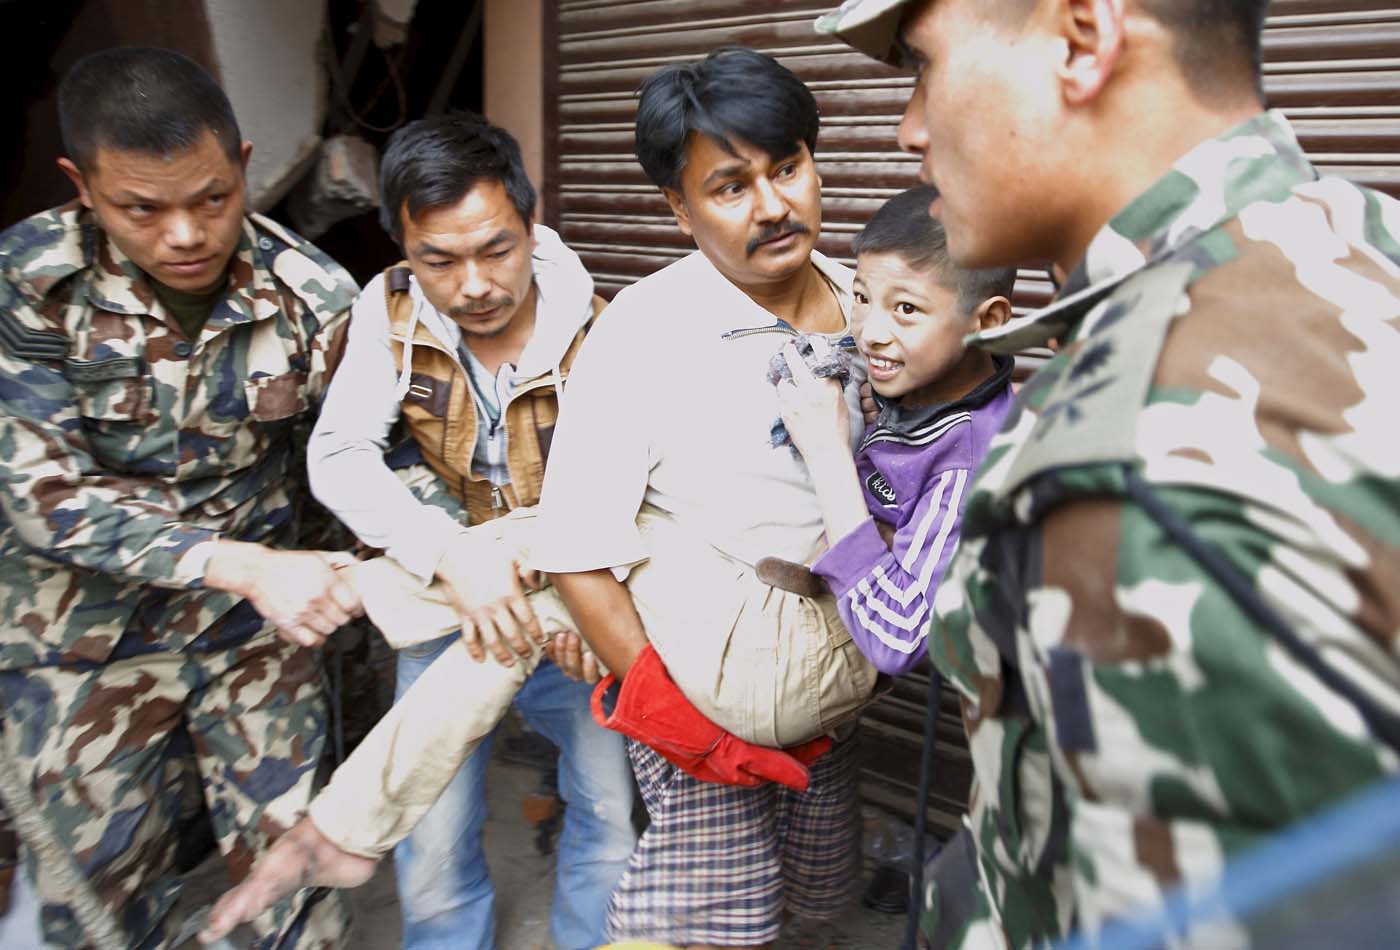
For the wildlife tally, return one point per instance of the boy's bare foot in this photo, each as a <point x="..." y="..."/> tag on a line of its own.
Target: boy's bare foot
<point x="303" y="857"/>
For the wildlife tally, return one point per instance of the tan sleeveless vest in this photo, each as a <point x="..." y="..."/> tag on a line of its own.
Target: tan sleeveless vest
<point x="439" y="413"/>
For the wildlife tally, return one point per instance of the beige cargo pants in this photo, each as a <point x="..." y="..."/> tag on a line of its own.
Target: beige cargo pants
<point x="767" y="665"/>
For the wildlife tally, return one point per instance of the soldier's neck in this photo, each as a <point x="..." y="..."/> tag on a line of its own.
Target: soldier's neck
<point x="1130" y="155"/>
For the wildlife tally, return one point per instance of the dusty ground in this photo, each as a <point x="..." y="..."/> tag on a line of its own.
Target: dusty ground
<point x="524" y="881"/>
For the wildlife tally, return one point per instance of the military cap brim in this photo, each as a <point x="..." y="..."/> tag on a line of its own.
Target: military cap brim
<point x="871" y="26"/>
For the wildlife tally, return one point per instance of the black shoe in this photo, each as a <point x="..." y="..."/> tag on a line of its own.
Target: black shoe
<point x="888" y="891"/>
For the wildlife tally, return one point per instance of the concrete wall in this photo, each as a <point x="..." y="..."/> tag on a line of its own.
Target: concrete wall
<point x="514" y="77"/>
<point x="265" y="52"/>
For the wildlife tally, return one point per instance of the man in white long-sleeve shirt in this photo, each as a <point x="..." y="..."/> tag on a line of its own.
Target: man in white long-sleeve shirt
<point x="467" y="344"/>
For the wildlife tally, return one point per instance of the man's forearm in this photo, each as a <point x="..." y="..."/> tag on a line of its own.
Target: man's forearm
<point x="345" y="455"/>
<point x="606" y="617"/>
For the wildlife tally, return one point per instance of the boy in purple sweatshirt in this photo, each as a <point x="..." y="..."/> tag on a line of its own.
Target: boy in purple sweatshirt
<point x="892" y="512"/>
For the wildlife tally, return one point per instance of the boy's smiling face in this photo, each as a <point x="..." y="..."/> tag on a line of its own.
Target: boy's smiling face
<point x="911" y="331"/>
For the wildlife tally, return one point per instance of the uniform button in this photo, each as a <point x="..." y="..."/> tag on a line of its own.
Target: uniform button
<point x="265" y="243"/>
<point x="183" y="349"/>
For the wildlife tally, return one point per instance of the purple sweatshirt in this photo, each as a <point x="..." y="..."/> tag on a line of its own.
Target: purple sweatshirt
<point x="914" y="466"/>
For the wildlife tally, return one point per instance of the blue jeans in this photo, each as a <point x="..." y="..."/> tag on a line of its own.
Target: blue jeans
<point x="444" y="887"/>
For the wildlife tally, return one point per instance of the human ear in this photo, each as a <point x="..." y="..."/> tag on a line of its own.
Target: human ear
<point x="1092" y="33"/>
<point x="677" y="202"/>
<point x="75" y="175"/>
<point x="992" y="313"/>
<point x="245" y="152"/>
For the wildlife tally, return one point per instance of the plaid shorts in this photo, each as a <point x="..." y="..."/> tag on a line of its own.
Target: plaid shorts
<point x="719" y="864"/>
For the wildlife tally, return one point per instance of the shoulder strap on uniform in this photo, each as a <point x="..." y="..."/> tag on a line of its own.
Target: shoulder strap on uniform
<point x="1383" y="722"/>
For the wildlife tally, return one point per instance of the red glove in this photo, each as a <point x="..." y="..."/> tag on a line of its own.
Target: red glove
<point x="650" y="708"/>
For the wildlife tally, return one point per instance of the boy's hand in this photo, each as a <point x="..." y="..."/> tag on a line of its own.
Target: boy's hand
<point x="487" y="594"/>
<point x="813" y="410"/>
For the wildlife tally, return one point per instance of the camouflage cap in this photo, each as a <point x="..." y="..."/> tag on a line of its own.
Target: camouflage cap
<point x="871" y="26"/>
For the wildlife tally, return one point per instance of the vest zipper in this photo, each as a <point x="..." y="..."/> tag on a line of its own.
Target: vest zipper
<point x="498" y="500"/>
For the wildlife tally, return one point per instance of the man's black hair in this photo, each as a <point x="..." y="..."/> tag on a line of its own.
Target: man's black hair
<point x="903" y="226"/>
<point x="137" y="99"/>
<point x="733" y="93"/>
<point x="1218" y="44"/>
<point x="434" y="162"/>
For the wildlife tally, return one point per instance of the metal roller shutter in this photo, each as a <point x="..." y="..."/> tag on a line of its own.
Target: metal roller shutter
<point x="1333" y="66"/>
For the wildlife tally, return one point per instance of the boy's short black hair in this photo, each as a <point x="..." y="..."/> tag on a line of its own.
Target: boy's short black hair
<point x="733" y="93"/>
<point x="138" y="99"/>
<point x="903" y="226"/>
<point x="434" y="162"/>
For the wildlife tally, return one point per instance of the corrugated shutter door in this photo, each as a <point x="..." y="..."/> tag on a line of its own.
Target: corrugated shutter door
<point x="1333" y="66"/>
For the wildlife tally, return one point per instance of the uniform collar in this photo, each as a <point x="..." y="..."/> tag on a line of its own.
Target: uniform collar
<point x="1258" y="160"/>
<point x="118" y="285"/>
<point x="252" y="290"/>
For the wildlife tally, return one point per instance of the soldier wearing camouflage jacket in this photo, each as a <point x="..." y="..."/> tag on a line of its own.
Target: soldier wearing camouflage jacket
<point x="1183" y="731"/>
<point x="131" y="453"/>
<point x="1173" y="616"/>
<point x="127" y="444"/>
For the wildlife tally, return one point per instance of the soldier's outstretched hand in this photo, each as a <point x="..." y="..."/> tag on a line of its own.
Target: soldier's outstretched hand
<point x="302" y="593"/>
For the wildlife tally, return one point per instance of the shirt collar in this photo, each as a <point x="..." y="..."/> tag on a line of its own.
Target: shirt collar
<point x="900" y="419"/>
<point x="118" y="285"/>
<point x="252" y="290"/>
<point x="1258" y="160"/>
<point x="745" y="315"/>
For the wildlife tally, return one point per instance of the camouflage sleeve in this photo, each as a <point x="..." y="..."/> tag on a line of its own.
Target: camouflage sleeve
<point x="63" y="504"/>
<point x="329" y="348"/>
<point x="428" y="489"/>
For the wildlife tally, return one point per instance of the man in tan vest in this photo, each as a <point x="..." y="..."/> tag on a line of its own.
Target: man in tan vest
<point x="467" y="344"/>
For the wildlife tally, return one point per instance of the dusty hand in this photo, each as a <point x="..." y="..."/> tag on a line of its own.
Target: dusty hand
<point x="301" y="592"/>
<point x="813" y="410"/>
<point x="490" y="599"/>
<point x="567" y="652"/>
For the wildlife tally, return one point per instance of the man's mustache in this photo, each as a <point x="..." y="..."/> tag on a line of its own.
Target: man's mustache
<point x="772" y="232"/>
<point x="471" y="310"/>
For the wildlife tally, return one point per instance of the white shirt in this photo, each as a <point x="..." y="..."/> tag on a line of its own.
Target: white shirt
<point x="667" y="403"/>
<point x="345" y="456"/>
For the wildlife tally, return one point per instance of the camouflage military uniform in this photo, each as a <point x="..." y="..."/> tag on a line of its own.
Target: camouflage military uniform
<point x="1232" y="344"/>
<point x="123" y="445"/>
